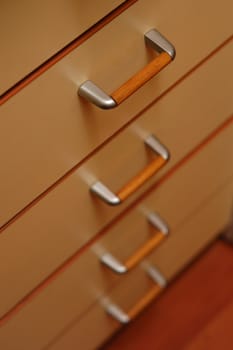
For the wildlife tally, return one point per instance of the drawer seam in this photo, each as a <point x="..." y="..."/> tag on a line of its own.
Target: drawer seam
<point x="64" y="51"/>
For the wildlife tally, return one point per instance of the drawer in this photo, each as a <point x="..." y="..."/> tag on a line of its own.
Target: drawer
<point x="47" y="130"/>
<point x="68" y="217"/>
<point x="25" y="25"/>
<point x="201" y="229"/>
<point x="208" y="110"/>
<point x="50" y="309"/>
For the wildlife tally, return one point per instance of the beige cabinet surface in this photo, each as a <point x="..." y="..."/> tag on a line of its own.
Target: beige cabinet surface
<point x="69" y="295"/>
<point x="46" y="129"/>
<point x="33" y="31"/>
<point x="95" y="326"/>
<point x="54" y="146"/>
<point x="69" y="216"/>
<point x="193" y="109"/>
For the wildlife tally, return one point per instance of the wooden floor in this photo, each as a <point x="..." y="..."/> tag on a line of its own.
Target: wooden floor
<point x="195" y="313"/>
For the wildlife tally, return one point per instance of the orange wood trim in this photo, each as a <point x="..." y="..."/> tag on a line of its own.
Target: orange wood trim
<point x="72" y="259"/>
<point x="144" y="250"/>
<point x="141" y="77"/>
<point x="146" y="300"/>
<point x="65" y="51"/>
<point x="141" y="178"/>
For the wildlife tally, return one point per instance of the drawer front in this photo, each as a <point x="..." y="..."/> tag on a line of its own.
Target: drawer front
<point x="201" y="229"/>
<point x="47" y="129"/>
<point x="81" y="282"/>
<point x="183" y="106"/>
<point x="68" y="217"/>
<point x="25" y="25"/>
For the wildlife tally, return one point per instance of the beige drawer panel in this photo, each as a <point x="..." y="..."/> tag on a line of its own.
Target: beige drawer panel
<point x="201" y="229"/>
<point x="24" y="25"/>
<point x="46" y="129"/>
<point x="86" y="279"/>
<point x="171" y="257"/>
<point x="95" y="326"/>
<point x="69" y="216"/>
<point x="186" y="109"/>
<point x="174" y="199"/>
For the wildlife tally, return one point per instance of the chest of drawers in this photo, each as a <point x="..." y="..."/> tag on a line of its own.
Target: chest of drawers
<point x="55" y="147"/>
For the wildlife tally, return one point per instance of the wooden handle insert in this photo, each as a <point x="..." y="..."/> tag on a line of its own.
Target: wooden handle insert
<point x="94" y="94"/>
<point x="144" y="250"/>
<point x="141" y="77"/>
<point x="111" y="198"/>
<point x="138" y="180"/>
<point x="124" y="317"/>
<point x="143" y="302"/>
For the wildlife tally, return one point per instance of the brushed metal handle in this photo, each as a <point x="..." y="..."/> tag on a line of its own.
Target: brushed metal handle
<point x="161" y="232"/>
<point x="94" y="94"/>
<point x="104" y="193"/>
<point x="125" y="317"/>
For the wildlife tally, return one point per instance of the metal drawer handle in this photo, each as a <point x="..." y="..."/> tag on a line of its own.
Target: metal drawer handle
<point x="91" y="92"/>
<point x="121" y="316"/>
<point x="104" y="193"/>
<point x="161" y="232"/>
